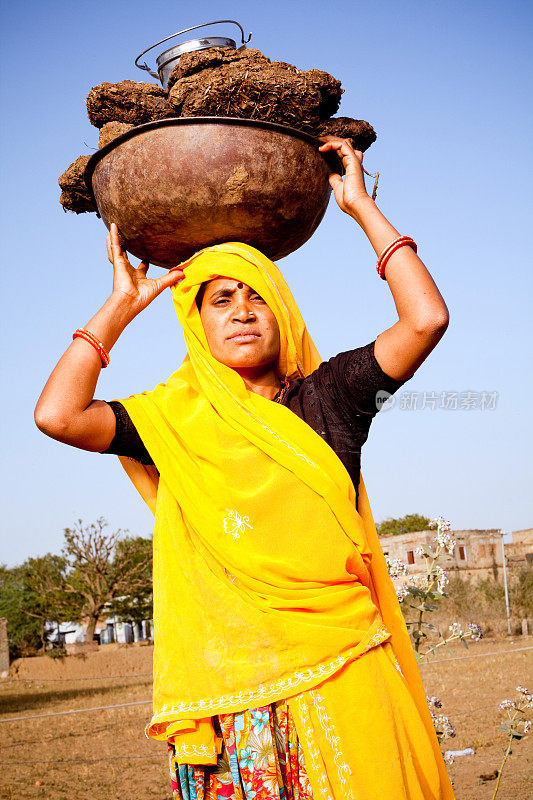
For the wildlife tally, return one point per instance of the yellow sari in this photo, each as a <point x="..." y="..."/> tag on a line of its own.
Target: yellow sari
<point x="268" y="582"/>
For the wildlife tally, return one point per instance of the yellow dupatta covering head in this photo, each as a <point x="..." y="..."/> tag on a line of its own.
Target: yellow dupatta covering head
<point x="267" y="579"/>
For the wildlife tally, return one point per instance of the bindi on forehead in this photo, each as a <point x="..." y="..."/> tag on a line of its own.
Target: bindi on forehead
<point x="222" y="287"/>
<point x="226" y="285"/>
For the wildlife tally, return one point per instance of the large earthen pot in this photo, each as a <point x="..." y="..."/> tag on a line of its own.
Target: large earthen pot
<point x="180" y="184"/>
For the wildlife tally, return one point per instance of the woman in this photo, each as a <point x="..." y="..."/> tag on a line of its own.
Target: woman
<point x="282" y="664"/>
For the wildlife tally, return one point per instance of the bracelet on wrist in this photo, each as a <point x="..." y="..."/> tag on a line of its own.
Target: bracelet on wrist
<point x="89" y="337"/>
<point x="401" y="241"/>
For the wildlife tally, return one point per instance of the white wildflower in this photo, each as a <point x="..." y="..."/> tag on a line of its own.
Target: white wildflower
<point x="455" y="629"/>
<point x="402" y="592"/>
<point x="444" y="539"/>
<point x="440" y="523"/>
<point x="442" y="577"/>
<point x="526" y="701"/>
<point x="396" y="567"/>
<point x="527" y="726"/>
<point x="419" y="551"/>
<point x="443" y="726"/>
<point x="419" y="581"/>
<point x="475" y="631"/>
<point x="506" y="704"/>
<point x="447" y="727"/>
<point x="434" y="701"/>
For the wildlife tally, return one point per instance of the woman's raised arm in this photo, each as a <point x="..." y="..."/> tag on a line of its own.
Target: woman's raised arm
<point x="66" y="410"/>
<point x="422" y="313"/>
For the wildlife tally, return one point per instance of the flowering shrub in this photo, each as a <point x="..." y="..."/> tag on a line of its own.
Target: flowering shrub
<point x="443" y="726"/>
<point x="421" y="592"/>
<point x="516" y="725"/>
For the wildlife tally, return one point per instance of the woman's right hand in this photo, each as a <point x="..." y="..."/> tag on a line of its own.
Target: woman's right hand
<point x="130" y="284"/>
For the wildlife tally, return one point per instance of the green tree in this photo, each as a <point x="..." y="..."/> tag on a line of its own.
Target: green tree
<point x="46" y="578"/>
<point x="411" y="523"/>
<point x="32" y="595"/>
<point x="96" y="571"/>
<point x="24" y="632"/>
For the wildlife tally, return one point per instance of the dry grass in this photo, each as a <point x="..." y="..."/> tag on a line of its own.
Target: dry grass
<point x="470" y="690"/>
<point x="137" y="770"/>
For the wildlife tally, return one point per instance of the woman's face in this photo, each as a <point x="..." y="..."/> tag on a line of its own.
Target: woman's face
<point x="241" y="330"/>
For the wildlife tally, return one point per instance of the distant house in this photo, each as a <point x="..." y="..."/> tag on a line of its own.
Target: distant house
<point x="110" y="630"/>
<point x="63" y="633"/>
<point x="478" y="553"/>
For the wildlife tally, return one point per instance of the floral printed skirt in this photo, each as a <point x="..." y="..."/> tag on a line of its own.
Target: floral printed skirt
<point x="261" y="759"/>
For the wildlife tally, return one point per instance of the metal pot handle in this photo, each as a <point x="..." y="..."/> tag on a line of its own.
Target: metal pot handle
<point x="216" y="22"/>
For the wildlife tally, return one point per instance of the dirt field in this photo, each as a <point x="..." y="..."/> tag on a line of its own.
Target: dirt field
<point x="104" y="754"/>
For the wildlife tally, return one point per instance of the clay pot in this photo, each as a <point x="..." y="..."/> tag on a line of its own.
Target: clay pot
<point x="180" y="184"/>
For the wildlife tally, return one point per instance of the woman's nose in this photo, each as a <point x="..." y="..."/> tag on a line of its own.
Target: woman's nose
<point x="244" y="311"/>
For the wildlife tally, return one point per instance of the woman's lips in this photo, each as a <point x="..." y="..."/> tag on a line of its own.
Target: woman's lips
<point x="244" y="337"/>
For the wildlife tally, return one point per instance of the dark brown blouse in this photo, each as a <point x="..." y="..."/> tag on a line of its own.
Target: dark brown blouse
<point x="338" y="400"/>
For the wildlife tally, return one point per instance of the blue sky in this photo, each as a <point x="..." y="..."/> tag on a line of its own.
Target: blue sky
<point x="446" y="85"/>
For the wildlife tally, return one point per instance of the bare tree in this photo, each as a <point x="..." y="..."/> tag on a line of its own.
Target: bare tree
<point x="102" y="567"/>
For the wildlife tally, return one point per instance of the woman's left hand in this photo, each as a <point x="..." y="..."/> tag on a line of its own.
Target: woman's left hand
<point x="350" y="192"/>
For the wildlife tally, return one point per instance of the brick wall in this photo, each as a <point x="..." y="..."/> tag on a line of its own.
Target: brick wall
<point x="478" y="553"/>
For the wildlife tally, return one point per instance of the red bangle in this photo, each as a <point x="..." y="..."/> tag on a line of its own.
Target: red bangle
<point x="387" y="253"/>
<point x="386" y="250"/>
<point x="98" y="346"/>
